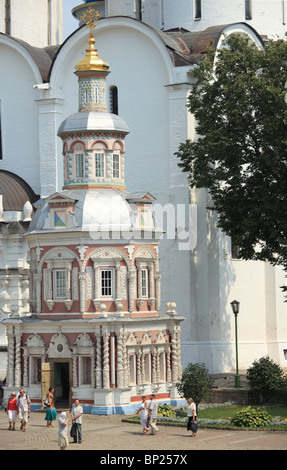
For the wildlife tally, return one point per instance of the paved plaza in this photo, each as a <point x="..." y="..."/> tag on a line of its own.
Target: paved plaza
<point x="110" y="433"/>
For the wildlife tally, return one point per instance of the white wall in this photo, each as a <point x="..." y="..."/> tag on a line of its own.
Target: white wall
<point x="38" y="22"/>
<point x="19" y="113"/>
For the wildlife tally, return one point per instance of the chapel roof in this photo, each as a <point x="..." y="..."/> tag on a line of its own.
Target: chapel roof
<point x="15" y="191"/>
<point x="185" y="47"/>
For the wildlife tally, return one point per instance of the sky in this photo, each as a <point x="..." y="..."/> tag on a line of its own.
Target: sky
<point x="70" y="23"/>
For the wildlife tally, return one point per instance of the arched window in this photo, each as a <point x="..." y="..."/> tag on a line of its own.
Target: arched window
<point x="248" y="10"/>
<point x="114" y="107"/>
<point x="100" y="160"/>
<point x="79" y="160"/>
<point x="197" y="10"/>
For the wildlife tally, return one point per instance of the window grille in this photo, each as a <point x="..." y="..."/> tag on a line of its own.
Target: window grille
<point x="116" y="166"/>
<point x="106" y="282"/>
<point x="60" y="284"/>
<point x="99" y="165"/>
<point x="80" y="171"/>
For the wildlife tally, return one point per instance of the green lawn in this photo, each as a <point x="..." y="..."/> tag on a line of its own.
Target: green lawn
<point x="230" y="411"/>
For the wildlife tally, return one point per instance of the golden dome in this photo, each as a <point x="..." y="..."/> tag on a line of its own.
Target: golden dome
<point x="92" y="60"/>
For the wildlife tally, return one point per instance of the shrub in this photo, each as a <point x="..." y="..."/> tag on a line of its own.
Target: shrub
<point x="266" y="379"/>
<point x="251" y="418"/>
<point x="166" y="410"/>
<point x="195" y="383"/>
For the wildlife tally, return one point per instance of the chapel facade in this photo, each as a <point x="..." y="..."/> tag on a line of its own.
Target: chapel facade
<point x="153" y="47"/>
<point x="94" y="332"/>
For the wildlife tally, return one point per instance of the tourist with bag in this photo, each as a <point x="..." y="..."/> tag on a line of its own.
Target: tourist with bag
<point x="191" y="415"/>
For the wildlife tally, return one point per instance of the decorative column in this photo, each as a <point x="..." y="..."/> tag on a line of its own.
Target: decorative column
<point x="18" y="335"/>
<point x="174" y="356"/>
<point x="93" y="368"/>
<point x="168" y="365"/>
<point x="153" y="370"/>
<point x="106" y="361"/>
<point x="139" y="367"/>
<point x="96" y="300"/>
<point x="98" y="369"/>
<point x="75" y="370"/>
<point x="38" y="279"/>
<point x="151" y="301"/>
<point x="25" y="372"/>
<point x="120" y="366"/>
<point x="157" y="290"/>
<point x="132" y="288"/>
<point x="10" y="349"/>
<point x="68" y="301"/>
<point x="118" y="299"/>
<point x="82" y="279"/>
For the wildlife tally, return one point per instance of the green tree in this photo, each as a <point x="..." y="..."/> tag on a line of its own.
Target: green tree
<point x="195" y="383"/>
<point x="266" y="378"/>
<point x="240" y="154"/>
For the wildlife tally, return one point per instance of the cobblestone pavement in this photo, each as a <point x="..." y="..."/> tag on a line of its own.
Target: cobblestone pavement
<point x="110" y="433"/>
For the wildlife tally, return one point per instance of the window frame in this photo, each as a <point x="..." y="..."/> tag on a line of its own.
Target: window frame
<point x="197" y="10"/>
<point x="56" y="286"/>
<point x="35" y="367"/>
<point x="116" y="165"/>
<point x="102" y="165"/>
<point x="82" y="380"/>
<point x="77" y="154"/>
<point x="144" y="282"/>
<point x="248" y="9"/>
<point x="111" y="280"/>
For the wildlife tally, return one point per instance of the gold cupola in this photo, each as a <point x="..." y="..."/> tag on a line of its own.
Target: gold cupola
<point x="91" y="61"/>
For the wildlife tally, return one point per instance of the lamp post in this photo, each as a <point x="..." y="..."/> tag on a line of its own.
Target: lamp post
<point x="235" y="308"/>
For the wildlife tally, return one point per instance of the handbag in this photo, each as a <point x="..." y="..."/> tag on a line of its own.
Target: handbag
<point x="73" y="430"/>
<point x="193" y="426"/>
<point x="46" y="403"/>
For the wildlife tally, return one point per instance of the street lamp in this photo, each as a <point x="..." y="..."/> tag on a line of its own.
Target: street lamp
<point x="235" y="308"/>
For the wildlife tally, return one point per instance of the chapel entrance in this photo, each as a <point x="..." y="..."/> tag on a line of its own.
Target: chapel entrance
<point x="62" y="383"/>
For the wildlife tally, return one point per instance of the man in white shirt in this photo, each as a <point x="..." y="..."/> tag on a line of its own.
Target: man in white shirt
<point x="77" y="412"/>
<point x="152" y="413"/>
<point x="23" y="405"/>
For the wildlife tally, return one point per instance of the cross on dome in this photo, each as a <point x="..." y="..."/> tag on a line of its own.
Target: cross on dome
<point x="91" y="18"/>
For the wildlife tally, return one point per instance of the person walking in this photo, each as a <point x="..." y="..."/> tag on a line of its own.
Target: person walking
<point x="191" y="414"/>
<point x="77" y="412"/>
<point x="51" y="413"/>
<point x="143" y="414"/>
<point x="23" y="407"/>
<point x="63" y="440"/>
<point x="152" y="414"/>
<point x="12" y="411"/>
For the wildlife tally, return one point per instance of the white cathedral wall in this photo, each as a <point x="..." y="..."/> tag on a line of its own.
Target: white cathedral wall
<point x="48" y="27"/>
<point x="268" y="17"/>
<point x="19" y="113"/>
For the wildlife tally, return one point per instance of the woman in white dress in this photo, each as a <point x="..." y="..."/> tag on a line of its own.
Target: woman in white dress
<point x="143" y="413"/>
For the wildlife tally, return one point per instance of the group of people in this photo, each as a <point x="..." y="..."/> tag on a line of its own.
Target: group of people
<point x="20" y="407"/>
<point x="76" y="429"/>
<point x="63" y="421"/>
<point x="148" y="415"/>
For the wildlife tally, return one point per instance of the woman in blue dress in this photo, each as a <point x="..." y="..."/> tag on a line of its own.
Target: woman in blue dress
<point x="51" y="413"/>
